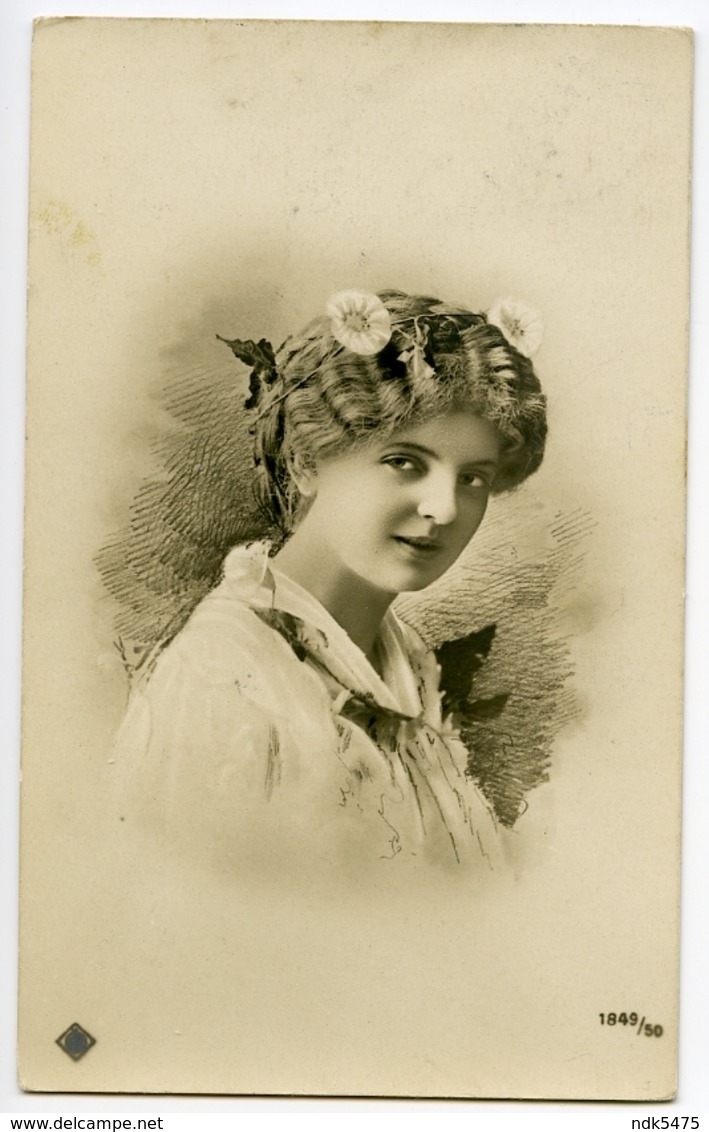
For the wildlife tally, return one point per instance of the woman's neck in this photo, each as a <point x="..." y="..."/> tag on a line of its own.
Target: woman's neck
<point x="355" y="604"/>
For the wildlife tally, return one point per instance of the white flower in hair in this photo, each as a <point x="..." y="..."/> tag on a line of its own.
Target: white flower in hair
<point x="521" y="325"/>
<point x="359" y="322"/>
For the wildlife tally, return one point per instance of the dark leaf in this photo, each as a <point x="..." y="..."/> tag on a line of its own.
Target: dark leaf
<point x="259" y="354"/>
<point x="459" y="661"/>
<point x="261" y="357"/>
<point x="254" y="390"/>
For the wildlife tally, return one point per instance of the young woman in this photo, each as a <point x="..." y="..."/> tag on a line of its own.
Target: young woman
<point x="295" y="722"/>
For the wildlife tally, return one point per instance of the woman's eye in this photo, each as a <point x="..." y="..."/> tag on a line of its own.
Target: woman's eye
<point x="475" y="479"/>
<point x="400" y="463"/>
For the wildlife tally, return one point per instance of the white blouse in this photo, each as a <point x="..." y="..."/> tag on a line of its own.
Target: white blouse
<point x="263" y="739"/>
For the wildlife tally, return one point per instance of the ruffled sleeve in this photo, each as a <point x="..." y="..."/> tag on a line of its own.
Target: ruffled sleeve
<point x="220" y="748"/>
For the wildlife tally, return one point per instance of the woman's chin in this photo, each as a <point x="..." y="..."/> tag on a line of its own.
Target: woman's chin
<point x="411" y="581"/>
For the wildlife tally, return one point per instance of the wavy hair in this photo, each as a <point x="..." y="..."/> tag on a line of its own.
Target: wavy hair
<point x="327" y="399"/>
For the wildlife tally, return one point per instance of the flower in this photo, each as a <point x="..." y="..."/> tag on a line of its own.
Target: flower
<point x="521" y="325"/>
<point x="359" y="322"/>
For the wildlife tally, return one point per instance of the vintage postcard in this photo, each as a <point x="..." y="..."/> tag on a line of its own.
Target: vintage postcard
<point x="354" y="559"/>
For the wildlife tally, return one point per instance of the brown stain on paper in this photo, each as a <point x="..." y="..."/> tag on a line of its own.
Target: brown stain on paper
<point x="59" y="219"/>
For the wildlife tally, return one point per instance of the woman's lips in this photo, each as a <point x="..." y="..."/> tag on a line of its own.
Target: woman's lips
<point x="425" y="547"/>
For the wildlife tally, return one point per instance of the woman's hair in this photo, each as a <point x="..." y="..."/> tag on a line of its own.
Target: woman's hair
<point x="326" y="398"/>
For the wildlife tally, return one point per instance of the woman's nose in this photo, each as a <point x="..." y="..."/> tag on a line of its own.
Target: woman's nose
<point x="438" y="499"/>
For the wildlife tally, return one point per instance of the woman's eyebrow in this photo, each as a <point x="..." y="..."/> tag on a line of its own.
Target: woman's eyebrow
<point x="410" y="445"/>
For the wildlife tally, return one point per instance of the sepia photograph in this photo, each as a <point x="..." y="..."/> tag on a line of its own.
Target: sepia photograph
<point x="357" y="366"/>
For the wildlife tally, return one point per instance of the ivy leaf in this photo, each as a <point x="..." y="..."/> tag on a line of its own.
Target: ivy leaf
<point x="460" y="660"/>
<point x="261" y="357"/>
<point x="258" y="354"/>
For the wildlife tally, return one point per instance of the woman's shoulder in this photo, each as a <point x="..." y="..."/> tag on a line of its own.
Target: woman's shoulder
<point x="228" y="634"/>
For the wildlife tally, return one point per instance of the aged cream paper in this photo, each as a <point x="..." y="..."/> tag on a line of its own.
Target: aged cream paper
<point x="194" y="175"/>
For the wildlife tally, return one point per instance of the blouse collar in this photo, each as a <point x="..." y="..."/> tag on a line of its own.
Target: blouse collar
<point x="250" y="576"/>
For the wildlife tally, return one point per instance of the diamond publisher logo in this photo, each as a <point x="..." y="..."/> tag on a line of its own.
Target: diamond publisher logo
<point x="76" y="1041"/>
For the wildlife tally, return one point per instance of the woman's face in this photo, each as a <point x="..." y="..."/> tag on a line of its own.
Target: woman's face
<point x="398" y="512"/>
